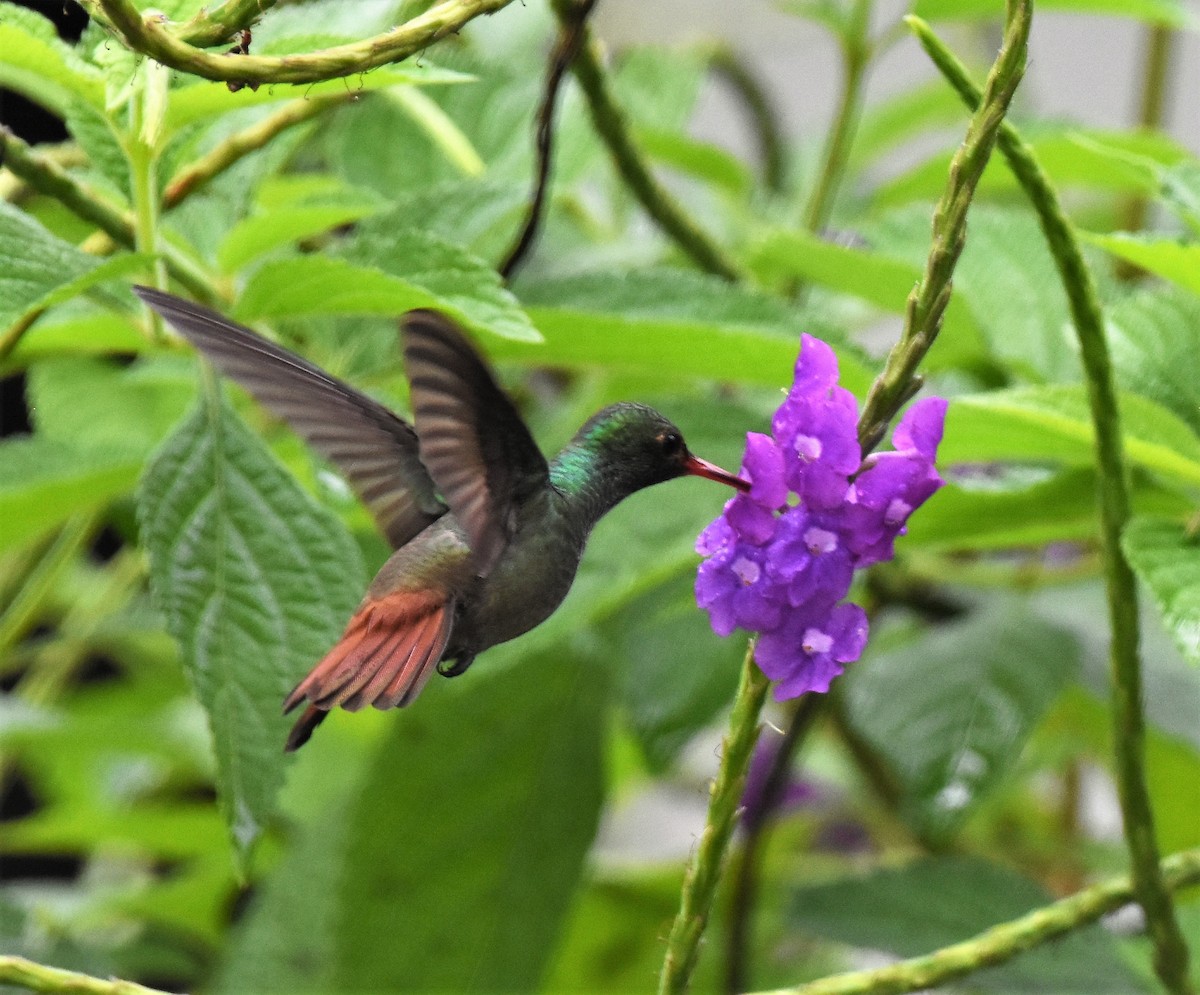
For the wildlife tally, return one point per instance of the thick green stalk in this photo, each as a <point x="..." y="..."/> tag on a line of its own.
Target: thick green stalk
<point x="659" y="204"/>
<point x="725" y="795"/>
<point x="927" y="304"/>
<point x="856" y="56"/>
<point x="1000" y="943"/>
<point x="1171" y="954"/>
<point x="218" y="24"/>
<point x="149" y="35"/>
<point x="47" y="177"/>
<point x="1156" y="68"/>
<point x="39" y="978"/>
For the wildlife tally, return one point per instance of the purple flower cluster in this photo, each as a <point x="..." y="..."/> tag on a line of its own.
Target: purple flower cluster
<point x="781" y="567"/>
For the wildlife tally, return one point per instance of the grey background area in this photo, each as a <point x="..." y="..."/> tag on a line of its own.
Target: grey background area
<point x="1082" y="67"/>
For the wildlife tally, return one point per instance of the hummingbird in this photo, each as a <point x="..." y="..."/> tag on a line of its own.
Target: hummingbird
<point x="487" y="534"/>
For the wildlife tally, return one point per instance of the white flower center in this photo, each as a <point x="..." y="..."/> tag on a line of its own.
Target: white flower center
<point x="897" y="512"/>
<point x="815" y="641"/>
<point x="820" y="540"/>
<point x="747" y="571"/>
<point x="808" y="448"/>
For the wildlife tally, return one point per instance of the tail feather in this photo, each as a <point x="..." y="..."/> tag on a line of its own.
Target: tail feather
<point x="386" y="655"/>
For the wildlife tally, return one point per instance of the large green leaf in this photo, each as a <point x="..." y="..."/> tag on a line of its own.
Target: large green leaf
<point x="256" y="581"/>
<point x="1053" y="423"/>
<point x="425" y="271"/>
<point x="44" y="481"/>
<point x="676" y="324"/>
<point x="1152" y="335"/>
<point x="938" y="901"/>
<point x="259" y="234"/>
<point x="453" y="862"/>
<point x="1166" y="560"/>
<point x="950" y="712"/>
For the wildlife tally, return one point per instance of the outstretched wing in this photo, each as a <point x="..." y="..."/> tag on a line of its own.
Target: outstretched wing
<point x="377" y="452"/>
<point x="473" y="442"/>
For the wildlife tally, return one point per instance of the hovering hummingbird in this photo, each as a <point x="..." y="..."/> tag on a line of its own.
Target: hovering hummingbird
<point x="487" y="535"/>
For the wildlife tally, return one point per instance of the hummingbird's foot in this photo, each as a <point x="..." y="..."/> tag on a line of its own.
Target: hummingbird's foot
<point x="459" y="666"/>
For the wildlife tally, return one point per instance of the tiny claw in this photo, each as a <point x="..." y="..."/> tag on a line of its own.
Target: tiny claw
<point x="457" y="667"/>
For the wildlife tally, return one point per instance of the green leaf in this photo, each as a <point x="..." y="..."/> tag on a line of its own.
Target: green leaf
<point x="259" y="234"/>
<point x="676" y="324"/>
<point x="886" y="125"/>
<point x="1170" y="13"/>
<point x="702" y="160"/>
<point x="36" y="64"/>
<point x="445" y="278"/>
<point x="1180" y="190"/>
<point x="44" y="481"/>
<point x="1152" y="335"/>
<point x="94" y="132"/>
<point x="488" y="814"/>
<point x="934" y="902"/>
<point x="950" y="712"/>
<point x="1165" y="559"/>
<point x="96" y="333"/>
<point x="882" y="280"/>
<point x="203" y="101"/>
<point x="1053" y="423"/>
<point x="38" y="270"/>
<point x="256" y="581"/>
<point x="1169" y="258"/>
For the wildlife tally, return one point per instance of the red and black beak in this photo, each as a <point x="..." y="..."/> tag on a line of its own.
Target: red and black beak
<point x="698" y="467"/>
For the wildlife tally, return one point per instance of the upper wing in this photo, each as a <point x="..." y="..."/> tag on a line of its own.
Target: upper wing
<point x="473" y="442"/>
<point x="376" y="451"/>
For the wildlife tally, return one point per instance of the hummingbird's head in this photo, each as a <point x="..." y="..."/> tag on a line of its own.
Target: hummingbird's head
<point x="630" y="446"/>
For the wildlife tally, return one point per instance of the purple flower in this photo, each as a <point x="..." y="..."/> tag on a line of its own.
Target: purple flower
<point x="782" y="568"/>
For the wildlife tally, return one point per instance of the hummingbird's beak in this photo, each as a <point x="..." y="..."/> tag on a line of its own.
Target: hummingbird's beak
<point x="698" y="467"/>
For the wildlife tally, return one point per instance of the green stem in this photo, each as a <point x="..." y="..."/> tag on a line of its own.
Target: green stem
<point x="1171" y="954"/>
<point x="40" y="978"/>
<point x="704" y="872"/>
<point x="48" y="178"/>
<point x="928" y="301"/>
<point x="217" y="25"/>
<point x="149" y="35"/>
<point x="856" y="56"/>
<point x="1002" y="942"/>
<point x="613" y="130"/>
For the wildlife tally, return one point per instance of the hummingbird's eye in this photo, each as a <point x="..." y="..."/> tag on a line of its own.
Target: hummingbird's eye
<point x="671" y="442"/>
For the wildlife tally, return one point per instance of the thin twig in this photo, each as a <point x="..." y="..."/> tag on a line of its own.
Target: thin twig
<point x="704" y="872"/>
<point x="572" y="18"/>
<point x="666" y="211"/>
<point x="1000" y="943"/>
<point x="40" y="978"/>
<point x="1161" y="41"/>
<point x="195" y="175"/>
<point x="1171" y="954"/>
<point x="151" y="36"/>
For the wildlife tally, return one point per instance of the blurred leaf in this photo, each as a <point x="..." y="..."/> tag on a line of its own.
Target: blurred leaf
<point x="94" y="132"/>
<point x="888" y="124"/>
<point x="702" y="160"/>
<point x="1152" y="335"/>
<point x="672" y="322"/>
<point x="1173" y="780"/>
<point x="201" y="101"/>
<point x="877" y="278"/>
<point x="256" y="582"/>
<point x="37" y="64"/>
<point x="446" y="136"/>
<point x="1053" y="423"/>
<point x="1180" y="190"/>
<point x="1171" y="13"/>
<point x="950" y="711"/>
<point x="259" y="234"/>
<point x="97" y="405"/>
<point x="436" y="274"/>
<point x="1164" y="556"/>
<point x="76" y="334"/>
<point x="490" y="793"/>
<point x="1169" y="258"/>
<point x="938" y="901"/>
<point x="659" y="86"/>
<point x="38" y="270"/>
<point x="830" y="13"/>
<point x="44" y="481"/>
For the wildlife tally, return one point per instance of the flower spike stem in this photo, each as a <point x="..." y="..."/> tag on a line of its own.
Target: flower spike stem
<point x="927" y="304"/>
<point x="1170" y="950"/>
<point x="39" y="978"/>
<point x="700" y="884"/>
<point x="668" y="214"/>
<point x="1001" y="942"/>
